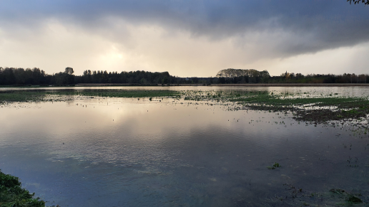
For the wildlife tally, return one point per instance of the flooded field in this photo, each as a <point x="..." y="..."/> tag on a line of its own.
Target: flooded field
<point x="189" y="146"/>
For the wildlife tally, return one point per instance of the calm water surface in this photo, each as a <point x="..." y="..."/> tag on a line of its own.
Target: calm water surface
<point x="166" y="152"/>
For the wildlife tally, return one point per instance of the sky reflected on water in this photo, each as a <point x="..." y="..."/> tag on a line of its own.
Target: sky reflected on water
<point x="165" y="152"/>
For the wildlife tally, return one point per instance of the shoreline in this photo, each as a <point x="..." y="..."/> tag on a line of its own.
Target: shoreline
<point x="294" y="84"/>
<point x="241" y="84"/>
<point x="220" y="85"/>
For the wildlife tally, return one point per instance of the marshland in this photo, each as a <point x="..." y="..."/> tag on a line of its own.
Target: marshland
<point x="184" y="103"/>
<point x="188" y="146"/>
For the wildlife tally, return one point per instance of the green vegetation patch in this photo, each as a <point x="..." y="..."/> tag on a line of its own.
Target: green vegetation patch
<point x="274" y="166"/>
<point x="13" y="195"/>
<point x="275" y="101"/>
<point x="294" y="196"/>
<point x="119" y="93"/>
<point x="21" y="96"/>
<point x="40" y="95"/>
<point x="318" y="109"/>
<point x="306" y="107"/>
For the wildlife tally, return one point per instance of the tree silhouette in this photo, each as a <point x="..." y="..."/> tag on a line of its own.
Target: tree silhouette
<point x="69" y="71"/>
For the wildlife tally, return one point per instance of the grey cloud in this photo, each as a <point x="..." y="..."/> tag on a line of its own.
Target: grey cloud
<point x="308" y="26"/>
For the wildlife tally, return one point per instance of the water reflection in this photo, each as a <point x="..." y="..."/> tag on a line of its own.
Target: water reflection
<point x="130" y="152"/>
<point x="352" y="91"/>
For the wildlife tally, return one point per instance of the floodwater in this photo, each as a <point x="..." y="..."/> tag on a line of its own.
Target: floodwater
<point x="166" y="152"/>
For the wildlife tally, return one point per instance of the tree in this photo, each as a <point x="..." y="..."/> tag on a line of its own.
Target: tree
<point x="69" y="71"/>
<point x="8" y="76"/>
<point x="68" y="76"/>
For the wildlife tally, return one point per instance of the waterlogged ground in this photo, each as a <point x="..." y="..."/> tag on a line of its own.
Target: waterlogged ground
<point x="199" y="146"/>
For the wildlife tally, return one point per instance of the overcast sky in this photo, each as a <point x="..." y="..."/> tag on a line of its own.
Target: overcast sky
<point x="185" y="37"/>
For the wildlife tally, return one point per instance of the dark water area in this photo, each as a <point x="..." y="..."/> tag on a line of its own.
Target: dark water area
<point x="168" y="152"/>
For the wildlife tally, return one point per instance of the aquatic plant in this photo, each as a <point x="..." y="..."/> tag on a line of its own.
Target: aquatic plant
<point x="21" y="96"/>
<point x="317" y="108"/>
<point x="350" y="198"/>
<point x="47" y="95"/>
<point x="274" y="166"/>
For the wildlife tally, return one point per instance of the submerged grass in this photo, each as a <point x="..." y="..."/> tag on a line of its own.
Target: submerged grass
<point x="306" y="107"/>
<point x="274" y="166"/>
<point x="333" y="197"/>
<point x="40" y="95"/>
<point x="120" y="93"/>
<point x="21" y="96"/>
<point x="318" y="109"/>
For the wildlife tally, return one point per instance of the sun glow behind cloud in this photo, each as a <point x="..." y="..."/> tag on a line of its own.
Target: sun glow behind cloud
<point x="149" y="48"/>
<point x="187" y="39"/>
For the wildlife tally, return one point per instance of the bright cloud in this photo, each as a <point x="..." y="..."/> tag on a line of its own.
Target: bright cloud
<point x="186" y="38"/>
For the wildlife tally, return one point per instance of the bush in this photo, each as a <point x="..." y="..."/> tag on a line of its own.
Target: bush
<point x="12" y="195"/>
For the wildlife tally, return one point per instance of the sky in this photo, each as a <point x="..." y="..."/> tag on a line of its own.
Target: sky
<point x="187" y="38"/>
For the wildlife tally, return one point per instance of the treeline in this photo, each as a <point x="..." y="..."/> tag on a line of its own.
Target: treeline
<point x="318" y="78"/>
<point x="149" y="78"/>
<point x="283" y="78"/>
<point x="133" y="77"/>
<point x="20" y="76"/>
<point x="35" y="76"/>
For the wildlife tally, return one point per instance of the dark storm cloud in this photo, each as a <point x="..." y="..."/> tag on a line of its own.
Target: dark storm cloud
<point x="303" y="26"/>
